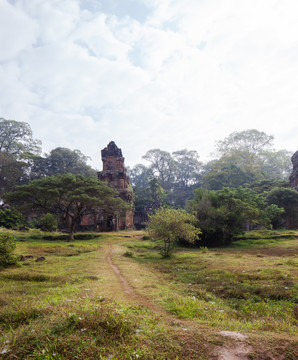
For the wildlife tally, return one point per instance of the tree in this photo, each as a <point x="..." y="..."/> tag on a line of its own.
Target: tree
<point x="12" y="173"/>
<point x="70" y="196"/>
<point x="16" y="146"/>
<point x="48" y="222"/>
<point x="170" y="225"/>
<point x="60" y="161"/>
<point x="276" y="164"/>
<point x="246" y="157"/>
<point x="286" y="198"/>
<point x="187" y="175"/>
<point x="225" y="173"/>
<point x="188" y="167"/>
<point x="11" y="218"/>
<point x="162" y="166"/>
<point x="16" y="139"/>
<point x="222" y="214"/>
<point x="140" y="176"/>
<point x="248" y="141"/>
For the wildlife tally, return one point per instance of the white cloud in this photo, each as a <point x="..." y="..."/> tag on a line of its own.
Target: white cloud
<point x="18" y="31"/>
<point x="189" y="73"/>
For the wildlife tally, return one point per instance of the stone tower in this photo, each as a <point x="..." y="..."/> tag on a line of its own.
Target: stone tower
<point x="294" y="175"/>
<point x="114" y="173"/>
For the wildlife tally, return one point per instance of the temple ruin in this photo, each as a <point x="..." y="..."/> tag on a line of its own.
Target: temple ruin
<point x="114" y="173"/>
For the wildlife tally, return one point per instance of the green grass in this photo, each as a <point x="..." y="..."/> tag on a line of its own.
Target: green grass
<point x="249" y="286"/>
<point x="60" y="308"/>
<point x="55" y="309"/>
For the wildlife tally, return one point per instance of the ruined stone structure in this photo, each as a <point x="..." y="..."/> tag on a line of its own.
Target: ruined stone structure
<point x="114" y="173"/>
<point x="294" y="175"/>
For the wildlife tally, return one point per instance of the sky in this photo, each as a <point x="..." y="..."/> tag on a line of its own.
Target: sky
<point x="167" y="74"/>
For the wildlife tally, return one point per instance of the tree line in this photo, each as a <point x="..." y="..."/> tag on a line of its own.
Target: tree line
<point x="247" y="183"/>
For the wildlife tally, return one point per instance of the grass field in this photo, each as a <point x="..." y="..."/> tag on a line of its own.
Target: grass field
<point x="114" y="297"/>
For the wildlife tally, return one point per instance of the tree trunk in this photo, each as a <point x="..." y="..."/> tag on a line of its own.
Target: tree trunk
<point x="71" y="230"/>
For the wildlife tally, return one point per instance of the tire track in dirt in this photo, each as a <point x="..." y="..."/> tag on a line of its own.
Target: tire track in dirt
<point x="237" y="351"/>
<point x="129" y="290"/>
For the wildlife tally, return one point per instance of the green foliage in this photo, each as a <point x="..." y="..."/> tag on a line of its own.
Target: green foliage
<point x="222" y="214"/>
<point x="228" y="172"/>
<point x="16" y="146"/>
<point x="60" y="161"/>
<point x="162" y="166"/>
<point x="251" y="141"/>
<point x="286" y="198"/>
<point x="168" y="180"/>
<point x="11" y="218"/>
<point x="12" y="172"/>
<point x="48" y="222"/>
<point x="171" y="225"/>
<point x="69" y="196"/>
<point x="7" y="247"/>
<point x="246" y="157"/>
<point x="16" y="139"/>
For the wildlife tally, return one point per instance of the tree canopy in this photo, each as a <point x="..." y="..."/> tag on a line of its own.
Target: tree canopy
<point x="222" y="214"/>
<point x="16" y="139"/>
<point x="70" y="196"/>
<point x="60" y="161"/>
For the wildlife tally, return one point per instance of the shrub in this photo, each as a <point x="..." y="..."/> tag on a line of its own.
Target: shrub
<point x="7" y="247"/>
<point x="48" y="222"/>
<point x="170" y="225"/>
<point x="11" y="218"/>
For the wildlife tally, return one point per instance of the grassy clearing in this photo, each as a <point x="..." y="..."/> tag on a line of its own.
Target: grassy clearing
<point x="72" y="306"/>
<point x="65" y="308"/>
<point x="245" y="287"/>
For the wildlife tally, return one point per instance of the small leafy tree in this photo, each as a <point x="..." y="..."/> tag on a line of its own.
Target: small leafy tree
<point x="171" y="225"/>
<point x="7" y="247"/>
<point x="48" y="222"/>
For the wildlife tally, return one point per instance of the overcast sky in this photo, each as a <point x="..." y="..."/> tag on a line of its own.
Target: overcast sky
<point x="168" y="74"/>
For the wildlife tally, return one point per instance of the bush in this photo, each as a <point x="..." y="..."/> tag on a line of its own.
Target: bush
<point x="7" y="247"/>
<point x="48" y="222"/>
<point x="170" y="225"/>
<point x="11" y="218"/>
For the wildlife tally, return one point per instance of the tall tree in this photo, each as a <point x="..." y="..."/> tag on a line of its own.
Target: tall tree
<point x="60" y="161"/>
<point x="12" y="173"/>
<point x="249" y="141"/>
<point x="276" y="164"/>
<point x="188" y="167"/>
<point x="16" y="147"/>
<point x="16" y="139"/>
<point x="245" y="157"/>
<point x="162" y="165"/>
<point x="70" y="196"/>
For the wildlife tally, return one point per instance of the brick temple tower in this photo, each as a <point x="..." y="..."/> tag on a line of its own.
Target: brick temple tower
<point x="114" y="173"/>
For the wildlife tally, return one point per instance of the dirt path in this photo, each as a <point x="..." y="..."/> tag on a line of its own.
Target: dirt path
<point x="126" y="287"/>
<point x="239" y="350"/>
<point x="234" y="348"/>
<point x="130" y="291"/>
